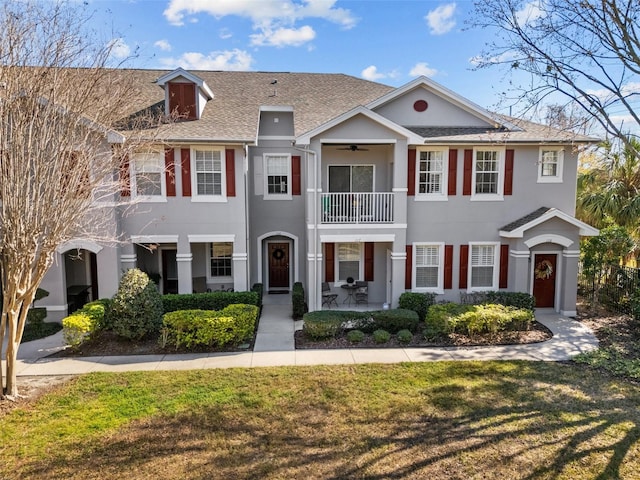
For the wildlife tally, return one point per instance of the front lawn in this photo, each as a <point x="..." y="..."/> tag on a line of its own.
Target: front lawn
<point x="439" y="420"/>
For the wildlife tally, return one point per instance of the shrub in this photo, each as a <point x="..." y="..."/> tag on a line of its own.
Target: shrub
<point x="474" y="319"/>
<point x="395" y="320"/>
<point x="76" y="328"/>
<point x="418" y="302"/>
<point x="321" y="325"/>
<point x="512" y="299"/>
<point x="439" y="317"/>
<point x="297" y="298"/>
<point x="136" y="309"/>
<point x="259" y="289"/>
<point x="381" y="336"/>
<point x="404" y="336"/>
<point x="207" y="301"/>
<point x="245" y="318"/>
<point x="197" y="328"/>
<point x="36" y="315"/>
<point x="355" y="336"/>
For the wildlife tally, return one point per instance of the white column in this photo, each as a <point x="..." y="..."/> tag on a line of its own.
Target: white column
<point x="185" y="280"/>
<point x="398" y="268"/>
<point x="240" y="280"/>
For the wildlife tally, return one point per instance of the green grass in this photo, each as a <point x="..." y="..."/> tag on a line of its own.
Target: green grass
<point x="433" y="420"/>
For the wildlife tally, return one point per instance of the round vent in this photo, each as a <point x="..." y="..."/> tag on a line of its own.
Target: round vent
<point x="420" y="105"/>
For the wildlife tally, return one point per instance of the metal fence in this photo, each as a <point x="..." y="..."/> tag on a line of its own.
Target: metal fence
<point x="609" y="285"/>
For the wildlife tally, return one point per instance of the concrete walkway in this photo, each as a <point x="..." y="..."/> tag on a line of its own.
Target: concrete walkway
<point x="274" y="346"/>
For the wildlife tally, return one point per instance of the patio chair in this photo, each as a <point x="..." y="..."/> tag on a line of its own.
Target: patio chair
<point x="362" y="292"/>
<point x="327" y="297"/>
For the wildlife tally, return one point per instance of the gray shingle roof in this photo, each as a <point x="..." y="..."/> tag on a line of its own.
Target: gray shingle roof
<point x="524" y="220"/>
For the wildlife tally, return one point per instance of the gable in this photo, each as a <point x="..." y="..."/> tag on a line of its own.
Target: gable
<point x="360" y="127"/>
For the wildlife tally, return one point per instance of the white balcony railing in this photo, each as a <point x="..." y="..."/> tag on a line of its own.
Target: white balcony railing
<point x="357" y="207"/>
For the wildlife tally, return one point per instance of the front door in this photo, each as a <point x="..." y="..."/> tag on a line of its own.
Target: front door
<point x="544" y="280"/>
<point x="278" y="265"/>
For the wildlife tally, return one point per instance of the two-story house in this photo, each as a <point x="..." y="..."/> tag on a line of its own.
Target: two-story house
<point x="322" y="178"/>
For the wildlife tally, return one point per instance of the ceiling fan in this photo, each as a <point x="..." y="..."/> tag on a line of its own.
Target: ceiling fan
<point x="354" y="148"/>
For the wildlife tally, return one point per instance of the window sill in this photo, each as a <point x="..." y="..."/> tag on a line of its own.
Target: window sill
<point x="208" y="199"/>
<point x="277" y="197"/>
<point x="487" y="198"/>
<point x="142" y="199"/>
<point x="431" y="198"/>
<point x="549" y="180"/>
<point x="482" y="289"/>
<point x="437" y="291"/>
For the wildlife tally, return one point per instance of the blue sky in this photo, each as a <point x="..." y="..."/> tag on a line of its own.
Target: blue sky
<point x="389" y="41"/>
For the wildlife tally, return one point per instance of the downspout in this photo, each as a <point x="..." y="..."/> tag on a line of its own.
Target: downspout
<point x="245" y="167"/>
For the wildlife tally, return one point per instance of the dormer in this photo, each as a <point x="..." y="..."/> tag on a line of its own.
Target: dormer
<point x="185" y="94"/>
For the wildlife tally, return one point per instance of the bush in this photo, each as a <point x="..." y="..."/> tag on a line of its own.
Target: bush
<point x="321" y="325"/>
<point x="355" y="336"/>
<point x="136" y="309"/>
<point x="297" y="298"/>
<point x="395" y="320"/>
<point x="404" y="336"/>
<point x="207" y="301"/>
<point x="418" y="302"/>
<point x="259" y="289"/>
<point x="192" y="328"/>
<point x="76" y="328"/>
<point x="512" y="299"/>
<point x="36" y="315"/>
<point x="439" y="317"/>
<point x="381" y="336"/>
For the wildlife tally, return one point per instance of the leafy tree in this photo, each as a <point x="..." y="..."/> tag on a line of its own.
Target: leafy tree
<point x="587" y="51"/>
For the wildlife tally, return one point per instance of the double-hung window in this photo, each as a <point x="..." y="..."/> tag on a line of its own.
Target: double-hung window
<point x="488" y="174"/>
<point x="550" y="165"/>
<point x="208" y="173"/>
<point x="349" y="261"/>
<point x="148" y="179"/>
<point x="428" y="267"/>
<point x="220" y="260"/>
<point x="484" y="266"/>
<point x="277" y="176"/>
<point x="431" y="176"/>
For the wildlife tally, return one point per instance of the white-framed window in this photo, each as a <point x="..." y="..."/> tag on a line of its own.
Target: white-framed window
<point x="220" y="261"/>
<point x="277" y="176"/>
<point x="487" y="182"/>
<point x="428" y="267"/>
<point x="208" y="174"/>
<point x="483" y="266"/>
<point x="550" y="164"/>
<point x="349" y="261"/>
<point x="431" y="174"/>
<point x="351" y="178"/>
<point x="148" y="178"/>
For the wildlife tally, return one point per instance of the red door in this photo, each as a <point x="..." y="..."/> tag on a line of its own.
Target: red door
<point x="278" y="265"/>
<point x="544" y="280"/>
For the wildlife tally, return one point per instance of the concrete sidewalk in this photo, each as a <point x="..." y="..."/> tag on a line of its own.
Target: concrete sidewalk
<point x="274" y="346"/>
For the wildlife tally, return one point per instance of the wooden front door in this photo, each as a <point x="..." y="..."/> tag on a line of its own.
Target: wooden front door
<point x="278" y="265"/>
<point x="544" y="279"/>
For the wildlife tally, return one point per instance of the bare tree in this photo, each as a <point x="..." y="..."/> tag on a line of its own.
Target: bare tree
<point x="57" y="167"/>
<point x="585" y="50"/>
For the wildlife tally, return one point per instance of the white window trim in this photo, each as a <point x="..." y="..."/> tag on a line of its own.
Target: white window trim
<point x="560" y="165"/>
<point x="433" y="197"/>
<point x="439" y="289"/>
<point x="277" y="196"/>
<point x="211" y="279"/>
<point x="162" y="198"/>
<point x="195" y="197"/>
<point x="488" y="197"/>
<point x="343" y="281"/>
<point x="496" y="267"/>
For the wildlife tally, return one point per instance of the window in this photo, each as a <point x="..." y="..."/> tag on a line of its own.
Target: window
<point x="488" y="172"/>
<point x="220" y="259"/>
<point x="484" y="269"/>
<point x="351" y="178"/>
<point x="431" y="174"/>
<point x="209" y="172"/>
<point x="349" y="261"/>
<point x="428" y="271"/>
<point x="148" y="179"/>
<point x="550" y="165"/>
<point x="278" y="176"/>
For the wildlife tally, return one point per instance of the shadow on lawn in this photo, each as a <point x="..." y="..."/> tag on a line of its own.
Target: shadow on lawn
<point x="511" y="420"/>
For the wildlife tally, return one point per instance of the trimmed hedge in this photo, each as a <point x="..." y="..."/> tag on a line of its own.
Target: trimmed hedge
<point x="418" y="302"/>
<point x="508" y="299"/>
<point x="78" y="326"/>
<point x="192" y="328"/>
<point x="207" y="301"/>
<point x="297" y="298"/>
<point x="324" y="324"/>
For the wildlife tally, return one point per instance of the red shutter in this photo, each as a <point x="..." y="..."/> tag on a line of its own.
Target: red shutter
<point x="508" y="172"/>
<point x="185" y="157"/>
<point x="125" y="178"/>
<point x="464" y="265"/>
<point x="368" y="261"/>
<point x="453" y="171"/>
<point x="296" y="188"/>
<point x="170" y="172"/>
<point x="504" y="266"/>
<point x="448" y="266"/>
<point x="329" y="262"/>
<point x="411" y="172"/>
<point x="468" y="171"/>
<point x="230" y="157"/>
<point x="408" y="267"/>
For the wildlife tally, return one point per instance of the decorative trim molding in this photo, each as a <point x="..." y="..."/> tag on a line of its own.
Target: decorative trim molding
<point x="54" y="308"/>
<point x="519" y="253"/>
<point x="549" y="238"/>
<point x="213" y="238"/>
<point x="79" y="244"/>
<point x="127" y="258"/>
<point x="399" y="256"/>
<point x="571" y="253"/>
<point x="358" y="238"/>
<point x="239" y="257"/>
<point x="184" y="257"/>
<point x="361" y="226"/>
<point x="154" y="238"/>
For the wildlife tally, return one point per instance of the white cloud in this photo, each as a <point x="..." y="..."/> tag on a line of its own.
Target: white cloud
<point x="283" y="37"/>
<point x="225" y="33"/>
<point x="163" y="45"/>
<point x="422" y="68"/>
<point x="530" y="12"/>
<point x="606" y="94"/>
<point x="229" y="60"/>
<point x="372" y="73"/>
<point x="441" y="19"/>
<point x="119" y="49"/>
<point x="274" y="20"/>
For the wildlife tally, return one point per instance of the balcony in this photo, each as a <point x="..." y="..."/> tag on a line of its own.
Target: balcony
<point x="341" y="208"/>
